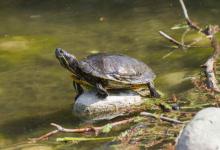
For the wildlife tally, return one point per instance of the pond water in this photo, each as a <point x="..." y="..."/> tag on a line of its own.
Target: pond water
<point x="35" y="90"/>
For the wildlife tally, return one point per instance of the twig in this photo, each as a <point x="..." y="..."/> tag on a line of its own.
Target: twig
<point x="147" y="114"/>
<point x="179" y="44"/>
<point x="96" y="130"/>
<point x="43" y="137"/>
<point x="199" y="106"/>
<point x="184" y="35"/>
<point x="78" y="130"/>
<point x="167" y="55"/>
<point x="189" y="22"/>
<point x="184" y="10"/>
<point x="78" y="139"/>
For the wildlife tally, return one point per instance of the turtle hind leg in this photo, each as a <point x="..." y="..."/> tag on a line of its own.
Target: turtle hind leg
<point x="78" y="89"/>
<point x="102" y="92"/>
<point x="152" y="90"/>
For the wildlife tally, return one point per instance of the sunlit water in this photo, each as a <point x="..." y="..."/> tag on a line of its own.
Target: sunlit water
<point x="35" y="90"/>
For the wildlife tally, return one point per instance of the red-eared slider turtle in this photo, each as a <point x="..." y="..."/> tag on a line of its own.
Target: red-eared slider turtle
<point x="107" y="71"/>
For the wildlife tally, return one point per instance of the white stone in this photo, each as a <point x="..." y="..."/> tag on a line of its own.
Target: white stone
<point x="202" y="133"/>
<point x="89" y="106"/>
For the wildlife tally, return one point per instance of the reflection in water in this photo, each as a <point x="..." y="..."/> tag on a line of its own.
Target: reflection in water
<point x="35" y="90"/>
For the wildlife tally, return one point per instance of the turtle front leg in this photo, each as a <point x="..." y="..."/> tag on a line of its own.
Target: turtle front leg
<point x="78" y="88"/>
<point x="102" y="92"/>
<point x="153" y="92"/>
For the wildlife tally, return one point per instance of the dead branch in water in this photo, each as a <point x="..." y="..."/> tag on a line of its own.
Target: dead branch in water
<point x="174" y="41"/>
<point x="167" y="119"/>
<point x="96" y="130"/>
<point x="210" y="31"/>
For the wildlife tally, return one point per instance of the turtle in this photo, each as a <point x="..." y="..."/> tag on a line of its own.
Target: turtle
<point x="108" y="72"/>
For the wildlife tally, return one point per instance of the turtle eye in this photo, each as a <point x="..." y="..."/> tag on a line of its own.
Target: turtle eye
<point x="59" y="52"/>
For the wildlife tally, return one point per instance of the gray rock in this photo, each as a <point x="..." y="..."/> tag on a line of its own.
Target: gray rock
<point x="202" y="133"/>
<point x="89" y="106"/>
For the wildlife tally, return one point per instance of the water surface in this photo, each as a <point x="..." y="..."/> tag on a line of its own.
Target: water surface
<point x="35" y="90"/>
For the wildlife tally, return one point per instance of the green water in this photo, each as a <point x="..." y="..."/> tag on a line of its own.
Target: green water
<point x="35" y="90"/>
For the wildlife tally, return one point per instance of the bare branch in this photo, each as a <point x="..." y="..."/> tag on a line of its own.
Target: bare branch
<point x="147" y="114"/>
<point x="184" y="10"/>
<point x="43" y="137"/>
<point x="96" y="130"/>
<point x="212" y="82"/>
<point x="189" y="22"/>
<point x="179" y="44"/>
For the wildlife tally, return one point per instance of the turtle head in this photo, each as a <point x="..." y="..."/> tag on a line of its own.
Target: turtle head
<point x="67" y="60"/>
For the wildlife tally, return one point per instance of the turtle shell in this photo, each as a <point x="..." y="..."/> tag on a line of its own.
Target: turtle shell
<point x="118" y="68"/>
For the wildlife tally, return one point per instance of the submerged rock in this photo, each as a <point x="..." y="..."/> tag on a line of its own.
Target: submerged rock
<point x="89" y="106"/>
<point x="202" y="133"/>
